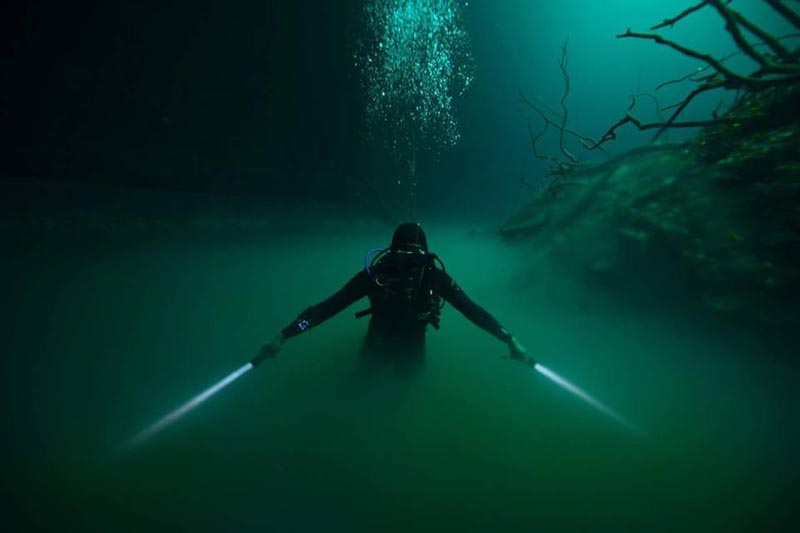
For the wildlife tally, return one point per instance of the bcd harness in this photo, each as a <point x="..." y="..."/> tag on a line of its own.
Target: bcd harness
<point x="403" y="274"/>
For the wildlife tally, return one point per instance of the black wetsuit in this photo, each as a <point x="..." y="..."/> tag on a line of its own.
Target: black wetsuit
<point x="398" y="320"/>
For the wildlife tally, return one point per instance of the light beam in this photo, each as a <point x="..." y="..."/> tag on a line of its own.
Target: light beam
<point x="585" y="396"/>
<point x="181" y="411"/>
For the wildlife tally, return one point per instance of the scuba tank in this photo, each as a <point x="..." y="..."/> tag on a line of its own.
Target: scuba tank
<point x="402" y="274"/>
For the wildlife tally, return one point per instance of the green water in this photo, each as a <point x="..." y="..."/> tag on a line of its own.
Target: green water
<point x="100" y="340"/>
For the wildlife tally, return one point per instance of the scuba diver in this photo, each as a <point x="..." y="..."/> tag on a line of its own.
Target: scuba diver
<point x="407" y="287"/>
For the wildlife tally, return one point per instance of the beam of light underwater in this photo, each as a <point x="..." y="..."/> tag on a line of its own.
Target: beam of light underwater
<point x="585" y="396"/>
<point x="181" y="411"/>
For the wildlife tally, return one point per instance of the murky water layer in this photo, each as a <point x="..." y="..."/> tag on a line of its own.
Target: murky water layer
<point x="100" y="342"/>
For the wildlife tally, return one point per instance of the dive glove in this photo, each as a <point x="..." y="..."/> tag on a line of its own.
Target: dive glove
<point x="269" y="350"/>
<point x="517" y="351"/>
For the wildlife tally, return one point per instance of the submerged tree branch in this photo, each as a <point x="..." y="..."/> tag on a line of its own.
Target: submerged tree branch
<point x="691" y="75"/>
<point x="562" y="64"/>
<point x="733" y="28"/>
<point x="654" y="98"/>
<point x="785" y="12"/>
<point x="773" y="42"/>
<point x="683" y="14"/>
<point x="732" y="21"/>
<point x="535" y="139"/>
<point x="584" y="140"/>
<point x="777" y="67"/>
<point x="706" y="58"/>
<point x="557" y="167"/>
<point x="629" y="117"/>
<point x="769" y="74"/>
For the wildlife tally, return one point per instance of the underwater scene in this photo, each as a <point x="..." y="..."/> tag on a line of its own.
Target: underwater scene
<point x="400" y="265"/>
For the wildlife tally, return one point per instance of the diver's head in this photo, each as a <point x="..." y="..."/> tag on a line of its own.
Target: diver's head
<point x="409" y="237"/>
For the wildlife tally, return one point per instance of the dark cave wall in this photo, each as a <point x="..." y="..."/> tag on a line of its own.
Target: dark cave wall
<point x="207" y="96"/>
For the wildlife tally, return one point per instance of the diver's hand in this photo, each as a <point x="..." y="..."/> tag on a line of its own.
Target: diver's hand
<point x="518" y="352"/>
<point x="269" y="350"/>
<point x="272" y="349"/>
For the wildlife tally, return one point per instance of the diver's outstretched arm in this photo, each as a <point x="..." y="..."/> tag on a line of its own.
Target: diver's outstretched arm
<point x="354" y="290"/>
<point x="482" y="318"/>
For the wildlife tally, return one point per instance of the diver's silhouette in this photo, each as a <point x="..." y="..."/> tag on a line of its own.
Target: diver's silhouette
<point x="407" y="286"/>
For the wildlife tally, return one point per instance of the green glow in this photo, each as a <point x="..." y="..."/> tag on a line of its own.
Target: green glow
<point x="415" y="60"/>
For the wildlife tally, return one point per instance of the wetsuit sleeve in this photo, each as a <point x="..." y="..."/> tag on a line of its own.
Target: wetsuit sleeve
<point x="354" y="290"/>
<point x="479" y="316"/>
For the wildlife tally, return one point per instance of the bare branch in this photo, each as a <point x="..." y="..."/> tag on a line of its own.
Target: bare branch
<point x="706" y="58"/>
<point x="670" y="123"/>
<point x="548" y="108"/>
<point x="557" y="166"/>
<point x="736" y="33"/>
<point x="683" y="103"/>
<point x="682" y="78"/>
<point x="652" y="97"/>
<point x="785" y="12"/>
<point x="722" y="60"/>
<point x="773" y="42"/>
<point x="562" y="64"/>
<point x="732" y="21"/>
<point x="535" y="139"/>
<point x="732" y="79"/>
<point x="686" y="124"/>
<point x="582" y="138"/>
<point x="611" y="134"/>
<point x="629" y="117"/>
<point x="683" y="14"/>
<point x="686" y="12"/>
<point x="716" y="111"/>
